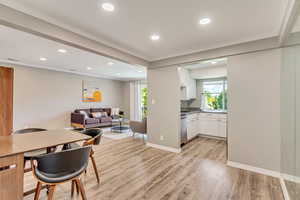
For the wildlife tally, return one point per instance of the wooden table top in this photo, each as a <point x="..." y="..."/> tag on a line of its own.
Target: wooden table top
<point x="21" y="143"/>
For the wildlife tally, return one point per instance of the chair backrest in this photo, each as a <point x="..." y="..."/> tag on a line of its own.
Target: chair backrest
<point x="29" y="130"/>
<point x="63" y="161"/>
<point x="96" y="135"/>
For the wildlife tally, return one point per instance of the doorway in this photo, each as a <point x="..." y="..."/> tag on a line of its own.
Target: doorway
<point x="6" y="101"/>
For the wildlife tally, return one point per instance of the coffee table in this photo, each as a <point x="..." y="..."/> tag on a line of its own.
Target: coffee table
<point x="122" y="126"/>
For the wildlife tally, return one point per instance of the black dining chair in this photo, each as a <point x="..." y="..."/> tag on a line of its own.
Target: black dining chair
<point x="96" y="135"/>
<point x="60" y="167"/>
<point x="29" y="155"/>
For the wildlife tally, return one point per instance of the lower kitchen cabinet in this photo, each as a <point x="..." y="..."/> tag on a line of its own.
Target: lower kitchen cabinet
<point x="206" y="124"/>
<point x="222" y="128"/>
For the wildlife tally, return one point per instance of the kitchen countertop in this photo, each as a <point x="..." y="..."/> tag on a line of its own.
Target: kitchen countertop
<point x="192" y="111"/>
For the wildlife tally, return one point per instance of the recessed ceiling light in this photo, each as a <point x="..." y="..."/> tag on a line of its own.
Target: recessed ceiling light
<point x="213" y="62"/>
<point x="118" y="74"/>
<point x="62" y="51"/>
<point x="204" y="21"/>
<point x="43" y="59"/>
<point x="110" y="63"/>
<point x="89" y="68"/>
<point x="155" y="37"/>
<point x="140" y="71"/>
<point x="108" y="7"/>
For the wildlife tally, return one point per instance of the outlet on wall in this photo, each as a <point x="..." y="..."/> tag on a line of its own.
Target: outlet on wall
<point x="161" y="137"/>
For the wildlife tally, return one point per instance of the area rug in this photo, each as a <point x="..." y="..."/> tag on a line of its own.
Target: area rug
<point x="116" y="136"/>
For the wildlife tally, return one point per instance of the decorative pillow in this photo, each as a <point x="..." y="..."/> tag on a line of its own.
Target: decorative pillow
<point x="86" y="116"/>
<point x="115" y="111"/>
<point x="104" y="114"/>
<point x="99" y="114"/>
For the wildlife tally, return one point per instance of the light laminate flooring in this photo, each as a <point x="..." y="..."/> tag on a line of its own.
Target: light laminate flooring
<point x="129" y="170"/>
<point x="293" y="190"/>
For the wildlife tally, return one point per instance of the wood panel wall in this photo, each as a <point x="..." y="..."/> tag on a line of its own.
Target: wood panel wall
<point x="6" y="100"/>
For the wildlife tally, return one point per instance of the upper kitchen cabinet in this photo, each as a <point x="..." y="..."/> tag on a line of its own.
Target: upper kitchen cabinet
<point x="187" y="84"/>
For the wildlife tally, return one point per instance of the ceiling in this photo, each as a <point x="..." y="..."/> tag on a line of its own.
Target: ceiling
<point x="176" y="21"/>
<point x="296" y="25"/>
<point x="207" y="63"/>
<point x="22" y="48"/>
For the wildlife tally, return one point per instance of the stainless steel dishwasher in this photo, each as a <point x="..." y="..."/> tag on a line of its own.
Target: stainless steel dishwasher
<point x="183" y="129"/>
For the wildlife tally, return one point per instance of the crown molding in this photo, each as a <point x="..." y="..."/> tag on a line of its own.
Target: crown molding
<point x="289" y="19"/>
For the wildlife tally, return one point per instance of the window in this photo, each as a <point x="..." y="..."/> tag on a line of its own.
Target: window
<point x="214" y="95"/>
<point x="138" y="100"/>
<point x="144" y="100"/>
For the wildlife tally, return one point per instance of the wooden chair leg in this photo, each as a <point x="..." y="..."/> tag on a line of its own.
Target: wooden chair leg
<point x="51" y="192"/>
<point x="72" y="187"/>
<point x="82" y="191"/>
<point x="95" y="168"/>
<point x="37" y="191"/>
<point x="77" y="186"/>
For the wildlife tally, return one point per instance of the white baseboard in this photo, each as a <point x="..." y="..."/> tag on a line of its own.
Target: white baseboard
<point x="165" y="148"/>
<point x="284" y="189"/>
<point x="295" y="179"/>
<point x="254" y="169"/>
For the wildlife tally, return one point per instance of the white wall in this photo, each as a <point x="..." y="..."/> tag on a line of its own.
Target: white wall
<point x="254" y="109"/>
<point x="290" y="112"/>
<point x="44" y="98"/>
<point x="209" y="72"/>
<point x="164" y="107"/>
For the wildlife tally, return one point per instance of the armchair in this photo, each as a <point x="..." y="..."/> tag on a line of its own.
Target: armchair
<point x="139" y="127"/>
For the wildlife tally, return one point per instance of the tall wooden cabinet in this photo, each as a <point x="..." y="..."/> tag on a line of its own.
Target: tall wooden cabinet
<point x="6" y="100"/>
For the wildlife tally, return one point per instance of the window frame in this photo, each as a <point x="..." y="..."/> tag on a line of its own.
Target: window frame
<point x="224" y="89"/>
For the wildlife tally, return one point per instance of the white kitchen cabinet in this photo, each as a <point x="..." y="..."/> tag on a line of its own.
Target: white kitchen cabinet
<point x="213" y="124"/>
<point x="191" y="89"/>
<point x="183" y="76"/>
<point x="206" y="124"/>
<point x="192" y="126"/>
<point x="187" y="85"/>
<point x="209" y="127"/>
<point x="222" y="128"/>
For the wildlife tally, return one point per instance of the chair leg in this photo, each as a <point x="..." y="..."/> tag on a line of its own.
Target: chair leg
<point x="51" y="192"/>
<point x="72" y="187"/>
<point x="95" y="168"/>
<point x="77" y="187"/>
<point x="37" y="191"/>
<point x="81" y="188"/>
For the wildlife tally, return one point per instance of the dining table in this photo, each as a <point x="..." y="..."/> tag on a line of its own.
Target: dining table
<point x="12" y="149"/>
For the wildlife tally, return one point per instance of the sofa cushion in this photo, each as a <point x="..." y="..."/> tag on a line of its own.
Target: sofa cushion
<point x="98" y="115"/>
<point x="115" y="111"/>
<point x="86" y="115"/>
<point x="105" y="119"/>
<point x="88" y="111"/>
<point x="107" y="110"/>
<point x="94" y="110"/>
<point x="91" y="121"/>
